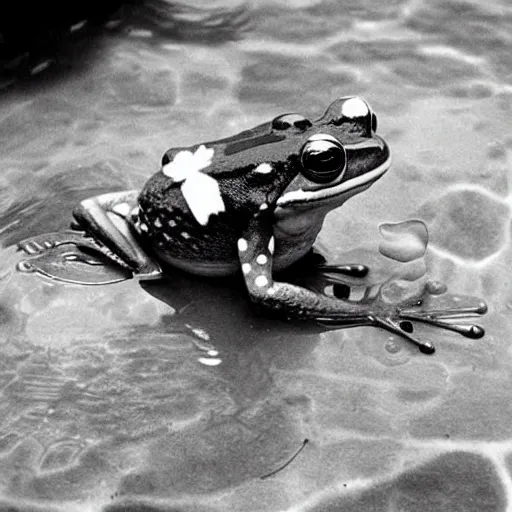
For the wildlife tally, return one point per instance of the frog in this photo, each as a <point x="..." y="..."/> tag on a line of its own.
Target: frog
<point x="254" y="204"/>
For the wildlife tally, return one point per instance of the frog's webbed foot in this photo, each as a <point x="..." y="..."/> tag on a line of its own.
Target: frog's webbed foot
<point x="70" y="257"/>
<point x="438" y="311"/>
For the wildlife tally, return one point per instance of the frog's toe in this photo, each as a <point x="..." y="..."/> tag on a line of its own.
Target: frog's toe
<point x="42" y="243"/>
<point x="447" y="318"/>
<point x="150" y="272"/>
<point x="355" y="270"/>
<point x="403" y="328"/>
<point x="445" y="314"/>
<point x="149" y="276"/>
<point x="34" y="247"/>
<point x="343" y="280"/>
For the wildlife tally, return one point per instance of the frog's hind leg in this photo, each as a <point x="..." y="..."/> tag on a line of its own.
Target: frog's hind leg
<point x="107" y="218"/>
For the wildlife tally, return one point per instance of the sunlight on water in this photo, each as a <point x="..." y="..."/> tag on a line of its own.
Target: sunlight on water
<point x="176" y="395"/>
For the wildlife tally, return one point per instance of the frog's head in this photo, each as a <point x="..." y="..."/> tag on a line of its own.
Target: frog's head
<point x="340" y="155"/>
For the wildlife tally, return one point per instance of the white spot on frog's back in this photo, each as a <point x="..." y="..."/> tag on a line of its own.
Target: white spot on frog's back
<point x="246" y="268"/>
<point x="185" y="163"/>
<point x="354" y="107"/>
<point x="264" y="168"/>
<point x="200" y="191"/>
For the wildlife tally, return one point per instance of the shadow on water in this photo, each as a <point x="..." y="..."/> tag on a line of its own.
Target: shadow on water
<point x="162" y="389"/>
<point x="43" y="40"/>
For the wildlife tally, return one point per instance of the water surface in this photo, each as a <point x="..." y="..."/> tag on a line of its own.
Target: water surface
<point x="176" y="396"/>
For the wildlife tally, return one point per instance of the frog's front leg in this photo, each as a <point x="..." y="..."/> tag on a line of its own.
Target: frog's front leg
<point x="107" y="219"/>
<point x="256" y="250"/>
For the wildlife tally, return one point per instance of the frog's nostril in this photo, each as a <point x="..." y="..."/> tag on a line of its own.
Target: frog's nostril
<point x="302" y="124"/>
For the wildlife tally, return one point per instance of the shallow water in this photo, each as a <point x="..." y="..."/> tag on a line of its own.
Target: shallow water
<point x="176" y="396"/>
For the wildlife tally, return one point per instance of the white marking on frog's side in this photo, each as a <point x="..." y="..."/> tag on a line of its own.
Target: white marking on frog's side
<point x="354" y="107"/>
<point x="271" y="291"/>
<point x="262" y="259"/>
<point x="201" y="191"/>
<point x="157" y="223"/>
<point x="264" y="168"/>
<point x="203" y="197"/>
<point x="261" y="281"/>
<point x="172" y="223"/>
<point x="271" y="245"/>
<point x="242" y="244"/>
<point x="185" y="235"/>
<point x="263" y="206"/>
<point x="144" y="227"/>
<point x="246" y="268"/>
<point x="122" y="209"/>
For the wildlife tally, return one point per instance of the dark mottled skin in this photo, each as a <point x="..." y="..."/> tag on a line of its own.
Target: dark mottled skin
<point x="243" y="192"/>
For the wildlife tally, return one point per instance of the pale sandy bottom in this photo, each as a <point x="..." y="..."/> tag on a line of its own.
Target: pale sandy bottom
<point x="112" y="398"/>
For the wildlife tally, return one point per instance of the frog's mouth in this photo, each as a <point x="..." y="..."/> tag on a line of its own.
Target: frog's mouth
<point x="340" y="191"/>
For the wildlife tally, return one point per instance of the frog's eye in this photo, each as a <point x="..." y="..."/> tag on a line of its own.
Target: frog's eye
<point x="288" y="121"/>
<point x="323" y="158"/>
